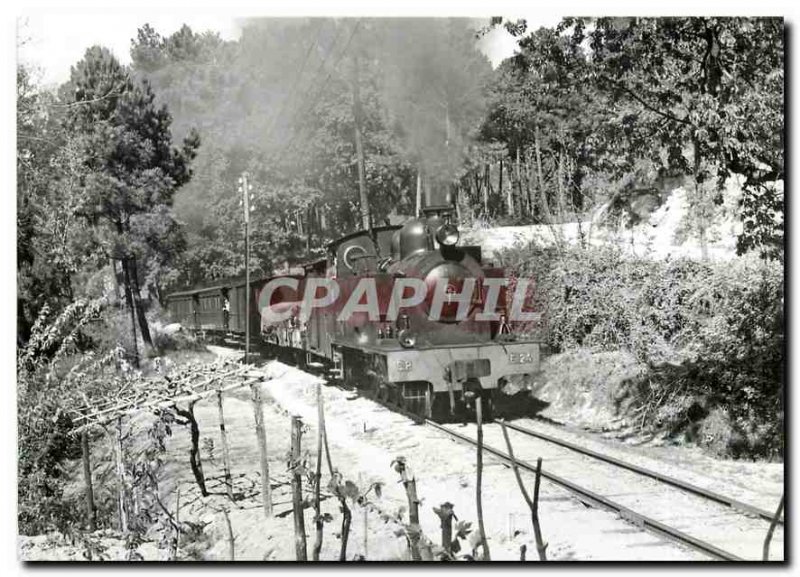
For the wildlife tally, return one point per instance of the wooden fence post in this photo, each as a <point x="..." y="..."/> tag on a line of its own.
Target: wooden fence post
<point x="231" y="539"/>
<point x="91" y="515"/>
<point x="120" y="467"/>
<point x="347" y="515"/>
<point x="318" y="522"/>
<point x="177" y="524"/>
<point x="266" y="487"/>
<point x="772" y="525"/>
<point x="301" y="553"/>
<point x="478" y="496"/>
<point x="446" y="514"/>
<point x="410" y="484"/>
<point x="365" y="519"/>
<point x="225" y="450"/>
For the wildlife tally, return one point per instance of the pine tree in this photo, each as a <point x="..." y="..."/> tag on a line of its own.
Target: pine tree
<point x="132" y="168"/>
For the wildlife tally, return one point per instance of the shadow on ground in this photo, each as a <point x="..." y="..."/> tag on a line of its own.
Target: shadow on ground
<point x="517" y="406"/>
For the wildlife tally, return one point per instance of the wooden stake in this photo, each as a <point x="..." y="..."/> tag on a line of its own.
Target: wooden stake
<point x="365" y="518"/>
<point x="478" y="484"/>
<point x="446" y="514"/>
<point x="318" y="523"/>
<point x="91" y="515"/>
<point x="266" y="487"/>
<point x="533" y="505"/>
<point x="225" y="450"/>
<point x="231" y="547"/>
<point x="410" y="484"/>
<point x="120" y="466"/>
<point x="301" y="553"/>
<point x="541" y="546"/>
<point x="346" y="514"/>
<point x="771" y="530"/>
<point x="177" y="524"/>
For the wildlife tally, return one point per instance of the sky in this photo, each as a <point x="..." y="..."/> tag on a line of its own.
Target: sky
<point x="53" y="41"/>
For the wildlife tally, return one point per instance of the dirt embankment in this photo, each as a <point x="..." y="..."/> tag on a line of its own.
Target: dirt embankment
<point x="609" y="393"/>
<point x="597" y="391"/>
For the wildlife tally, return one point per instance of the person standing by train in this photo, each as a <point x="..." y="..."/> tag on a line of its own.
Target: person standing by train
<point x="226" y="313"/>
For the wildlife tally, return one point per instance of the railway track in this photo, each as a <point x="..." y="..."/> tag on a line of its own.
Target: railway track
<point x="734" y="504"/>
<point x="740" y="518"/>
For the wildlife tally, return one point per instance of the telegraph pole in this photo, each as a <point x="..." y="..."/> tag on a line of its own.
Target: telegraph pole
<point x="366" y="220"/>
<point x="246" y="189"/>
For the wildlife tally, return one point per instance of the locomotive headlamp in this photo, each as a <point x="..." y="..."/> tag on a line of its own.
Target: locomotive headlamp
<point x="447" y="234"/>
<point x="406" y="338"/>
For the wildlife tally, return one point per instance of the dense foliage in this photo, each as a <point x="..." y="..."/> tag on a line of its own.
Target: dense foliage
<point x="710" y="334"/>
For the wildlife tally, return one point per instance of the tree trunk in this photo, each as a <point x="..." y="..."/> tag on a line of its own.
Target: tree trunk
<point x="456" y="202"/>
<point x="418" y="211"/>
<point x="446" y="124"/>
<point x="521" y="193"/>
<point x="486" y="201"/>
<point x="195" y="461"/>
<point x="129" y="301"/>
<point x="540" y="177"/>
<point x="137" y="298"/>
<point x="560" y="178"/>
<point x="117" y="295"/>
<point x="509" y="190"/>
<point x="701" y="207"/>
<point x="487" y="184"/>
<point x="309" y="222"/>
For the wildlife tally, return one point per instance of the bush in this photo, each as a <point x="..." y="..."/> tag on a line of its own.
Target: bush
<point x="711" y="334"/>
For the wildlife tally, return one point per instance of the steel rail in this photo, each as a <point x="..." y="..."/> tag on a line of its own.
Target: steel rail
<point x="683" y="485"/>
<point x="598" y="500"/>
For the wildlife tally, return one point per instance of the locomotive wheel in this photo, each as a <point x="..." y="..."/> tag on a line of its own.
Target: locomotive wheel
<point x="487" y="405"/>
<point x="413" y="398"/>
<point x="440" y="409"/>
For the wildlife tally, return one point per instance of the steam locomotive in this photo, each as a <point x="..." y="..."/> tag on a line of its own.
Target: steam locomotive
<point x="431" y="365"/>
